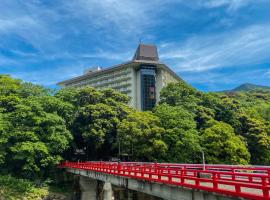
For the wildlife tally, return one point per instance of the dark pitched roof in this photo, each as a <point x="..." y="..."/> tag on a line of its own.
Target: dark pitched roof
<point x="146" y="52"/>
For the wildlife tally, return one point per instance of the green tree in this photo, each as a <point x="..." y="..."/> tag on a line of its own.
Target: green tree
<point x="140" y="135"/>
<point x="221" y="145"/>
<point x="36" y="138"/>
<point x="29" y="89"/>
<point x="3" y="138"/>
<point x="95" y="119"/>
<point x="8" y="85"/>
<point x="258" y="138"/>
<point x="180" y="135"/>
<point x="9" y="88"/>
<point x="180" y="94"/>
<point x="225" y="109"/>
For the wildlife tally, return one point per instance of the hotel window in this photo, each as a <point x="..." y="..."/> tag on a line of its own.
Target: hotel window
<point x="148" y="87"/>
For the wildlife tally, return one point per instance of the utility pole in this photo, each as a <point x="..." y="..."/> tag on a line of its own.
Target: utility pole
<point x="203" y="160"/>
<point x="119" y="149"/>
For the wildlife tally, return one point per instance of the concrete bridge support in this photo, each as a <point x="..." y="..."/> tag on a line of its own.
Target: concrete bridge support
<point x="90" y="191"/>
<point x="121" y="194"/>
<point x="88" y="188"/>
<point x="130" y="195"/>
<point x="107" y="191"/>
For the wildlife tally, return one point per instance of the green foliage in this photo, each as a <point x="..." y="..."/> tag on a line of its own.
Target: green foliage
<point x="180" y="134"/>
<point x="20" y="185"/>
<point x="12" y="188"/>
<point x="95" y="119"/>
<point x="180" y="94"/>
<point x="257" y="133"/>
<point x="30" y="89"/>
<point x="33" y="129"/>
<point x="247" y="114"/>
<point x="8" y="85"/>
<point x="39" y="127"/>
<point x="223" y="108"/>
<point x="221" y="145"/>
<point x="3" y="138"/>
<point x="141" y="136"/>
<point x="246" y="87"/>
<point x="36" y="137"/>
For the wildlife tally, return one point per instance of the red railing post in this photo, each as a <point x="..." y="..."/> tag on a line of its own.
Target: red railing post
<point x="184" y="171"/>
<point x="158" y="174"/>
<point x="250" y="179"/>
<point x="182" y="175"/>
<point x="118" y="167"/>
<point x="169" y="176"/>
<point x="265" y="189"/>
<point x="215" y="184"/>
<point x="233" y="175"/>
<point x="237" y="188"/>
<point x="142" y="171"/>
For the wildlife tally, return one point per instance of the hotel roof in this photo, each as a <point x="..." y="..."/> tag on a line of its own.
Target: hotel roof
<point x="145" y="54"/>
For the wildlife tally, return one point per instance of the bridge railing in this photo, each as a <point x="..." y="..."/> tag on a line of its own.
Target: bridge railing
<point x="252" y="182"/>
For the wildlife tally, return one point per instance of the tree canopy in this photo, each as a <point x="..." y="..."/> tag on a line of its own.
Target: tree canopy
<point x="40" y="128"/>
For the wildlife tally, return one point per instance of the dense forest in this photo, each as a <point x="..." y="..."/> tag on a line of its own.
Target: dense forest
<point x="40" y="127"/>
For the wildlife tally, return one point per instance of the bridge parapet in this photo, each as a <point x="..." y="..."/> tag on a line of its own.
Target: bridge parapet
<point x="251" y="182"/>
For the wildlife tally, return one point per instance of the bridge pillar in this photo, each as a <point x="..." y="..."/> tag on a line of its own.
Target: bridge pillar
<point x="107" y="189"/>
<point x="130" y="195"/>
<point x="88" y="188"/>
<point x="122" y="194"/>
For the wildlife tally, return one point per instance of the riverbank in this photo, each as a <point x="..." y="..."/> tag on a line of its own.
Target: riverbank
<point x="20" y="189"/>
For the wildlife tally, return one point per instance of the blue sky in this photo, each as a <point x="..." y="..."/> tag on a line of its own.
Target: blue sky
<point x="212" y="44"/>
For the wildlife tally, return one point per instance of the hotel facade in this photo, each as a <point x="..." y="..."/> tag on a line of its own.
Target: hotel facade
<point x="141" y="79"/>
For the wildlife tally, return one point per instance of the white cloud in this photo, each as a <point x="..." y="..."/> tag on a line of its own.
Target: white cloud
<point x="110" y="22"/>
<point x="107" y="55"/>
<point x="6" y="61"/>
<point x="116" y="23"/>
<point x="231" y="5"/>
<point x="119" y="18"/>
<point x="247" y="46"/>
<point x="50" y="76"/>
<point x="28" y="23"/>
<point x="267" y="73"/>
<point x="17" y="23"/>
<point x="216" y="81"/>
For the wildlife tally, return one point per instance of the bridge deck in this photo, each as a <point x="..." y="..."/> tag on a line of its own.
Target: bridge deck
<point x="252" y="182"/>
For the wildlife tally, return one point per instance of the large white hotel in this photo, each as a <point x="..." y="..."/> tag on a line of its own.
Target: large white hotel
<point x="141" y="79"/>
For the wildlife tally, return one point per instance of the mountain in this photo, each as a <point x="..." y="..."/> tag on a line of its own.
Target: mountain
<point x="248" y="87"/>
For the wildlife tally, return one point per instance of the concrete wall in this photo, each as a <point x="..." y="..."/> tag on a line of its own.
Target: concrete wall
<point x="138" y="90"/>
<point x="158" y="84"/>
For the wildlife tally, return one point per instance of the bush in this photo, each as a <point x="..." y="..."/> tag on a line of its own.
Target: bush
<point x="20" y="185"/>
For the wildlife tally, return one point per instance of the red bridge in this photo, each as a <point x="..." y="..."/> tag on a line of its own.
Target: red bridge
<point x="250" y="182"/>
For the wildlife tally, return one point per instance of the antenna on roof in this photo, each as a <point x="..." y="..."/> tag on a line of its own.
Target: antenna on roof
<point x="140" y="40"/>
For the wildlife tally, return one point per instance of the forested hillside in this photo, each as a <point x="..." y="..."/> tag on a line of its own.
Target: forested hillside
<point x="247" y="87"/>
<point x="40" y="127"/>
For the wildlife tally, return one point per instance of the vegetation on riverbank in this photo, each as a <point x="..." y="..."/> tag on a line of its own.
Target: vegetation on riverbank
<point x="12" y="188"/>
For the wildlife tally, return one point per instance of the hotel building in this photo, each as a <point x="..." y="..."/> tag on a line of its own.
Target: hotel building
<point x="141" y="79"/>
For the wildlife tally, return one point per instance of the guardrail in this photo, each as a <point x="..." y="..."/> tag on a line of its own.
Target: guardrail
<point x="251" y="182"/>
